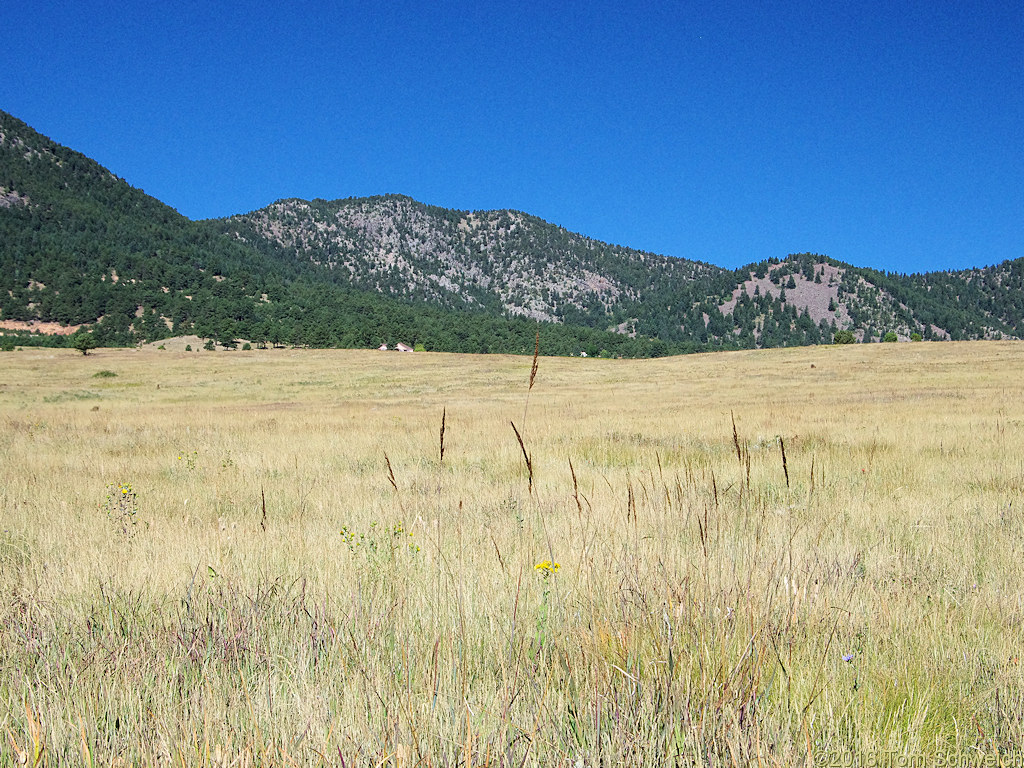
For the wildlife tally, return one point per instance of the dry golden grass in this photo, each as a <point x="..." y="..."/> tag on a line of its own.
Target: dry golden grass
<point x="257" y="558"/>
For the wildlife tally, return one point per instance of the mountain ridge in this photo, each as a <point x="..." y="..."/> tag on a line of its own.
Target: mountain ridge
<point x="82" y="247"/>
<point x="558" y="276"/>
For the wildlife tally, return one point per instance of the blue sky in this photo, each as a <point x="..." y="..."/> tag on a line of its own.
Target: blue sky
<point x="882" y="134"/>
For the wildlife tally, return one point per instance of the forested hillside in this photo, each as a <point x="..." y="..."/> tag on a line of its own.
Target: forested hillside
<point x="80" y="246"/>
<point x="513" y="263"/>
<point x="82" y="249"/>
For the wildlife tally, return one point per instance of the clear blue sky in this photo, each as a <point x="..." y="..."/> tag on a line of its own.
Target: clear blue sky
<point x="883" y="134"/>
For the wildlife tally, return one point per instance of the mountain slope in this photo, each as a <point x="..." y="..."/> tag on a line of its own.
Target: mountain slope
<point x="976" y="304"/>
<point x="79" y="246"/>
<point x="505" y="261"/>
<point x="82" y="246"/>
<point x="510" y="262"/>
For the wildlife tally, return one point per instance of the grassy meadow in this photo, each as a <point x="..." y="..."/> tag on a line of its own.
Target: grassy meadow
<point x="787" y="557"/>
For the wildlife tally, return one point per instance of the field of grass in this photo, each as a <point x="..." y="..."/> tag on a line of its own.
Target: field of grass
<point x="786" y="557"/>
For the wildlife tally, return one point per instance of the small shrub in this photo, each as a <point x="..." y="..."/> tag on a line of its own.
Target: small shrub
<point x="890" y="336"/>
<point x="246" y="347"/>
<point x="161" y="347"/>
<point x="188" y="347"/>
<point x="844" y="337"/>
<point x="104" y="374"/>
<point x="208" y="346"/>
<point x="915" y="336"/>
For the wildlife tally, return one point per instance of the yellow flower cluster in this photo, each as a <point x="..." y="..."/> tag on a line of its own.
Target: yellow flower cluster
<point x="350" y="538"/>
<point x="547" y="567"/>
<point x="374" y="542"/>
